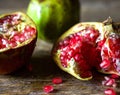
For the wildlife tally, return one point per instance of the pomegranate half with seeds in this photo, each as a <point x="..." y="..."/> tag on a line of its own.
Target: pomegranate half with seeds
<point x="87" y="46"/>
<point x="18" y="36"/>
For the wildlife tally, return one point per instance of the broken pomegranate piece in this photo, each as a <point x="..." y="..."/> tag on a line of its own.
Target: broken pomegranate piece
<point x="18" y="37"/>
<point x="87" y="46"/>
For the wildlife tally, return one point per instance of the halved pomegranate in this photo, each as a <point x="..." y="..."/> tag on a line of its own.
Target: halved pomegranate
<point x="87" y="46"/>
<point x="18" y="36"/>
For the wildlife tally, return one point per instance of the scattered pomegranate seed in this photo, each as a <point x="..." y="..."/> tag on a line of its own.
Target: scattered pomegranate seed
<point x="109" y="91"/>
<point x="105" y="64"/>
<point x="107" y="78"/>
<point x="57" y="80"/>
<point x="109" y="82"/>
<point x="48" y="88"/>
<point x="114" y="76"/>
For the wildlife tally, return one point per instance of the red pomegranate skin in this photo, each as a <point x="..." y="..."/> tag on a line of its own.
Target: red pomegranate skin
<point x="87" y="46"/>
<point x="19" y="44"/>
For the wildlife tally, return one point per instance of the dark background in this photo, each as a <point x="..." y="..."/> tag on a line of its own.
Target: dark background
<point x="91" y="10"/>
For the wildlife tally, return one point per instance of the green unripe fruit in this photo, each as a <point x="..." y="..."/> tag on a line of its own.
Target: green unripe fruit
<point x="53" y="17"/>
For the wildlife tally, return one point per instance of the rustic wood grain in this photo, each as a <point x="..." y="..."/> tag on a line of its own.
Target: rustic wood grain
<point x="25" y="82"/>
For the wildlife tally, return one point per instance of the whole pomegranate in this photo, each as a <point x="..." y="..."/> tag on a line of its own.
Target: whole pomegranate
<point x="87" y="46"/>
<point x="17" y="41"/>
<point x="53" y="17"/>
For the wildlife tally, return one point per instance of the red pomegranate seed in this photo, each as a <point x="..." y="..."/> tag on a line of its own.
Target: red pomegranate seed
<point x="33" y="31"/>
<point x="48" y="88"/>
<point x="100" y="44"/>
<point x="57" y="80"/>
<point x="105" y="64"/>
<point x="91" y="34"/>
<point x="22" y="38"/>
<point x="4" y="43"/>
<point x="16" y="18"/>
<point x="66" y="41"/>
<point x="107" y="78"/>
<point x="16" y="37"/>
<point x="30" y="30"/>
<point x="27" y="28"/>
<point x="109" y="82"/>
<point x="12" y="43"/>
<point x="78" y="57"/>
<point x="109" y="91"/>
<point x="114" y="76"/>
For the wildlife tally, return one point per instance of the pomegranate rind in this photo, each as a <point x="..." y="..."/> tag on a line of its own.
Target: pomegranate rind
<point x="13" y="58"/>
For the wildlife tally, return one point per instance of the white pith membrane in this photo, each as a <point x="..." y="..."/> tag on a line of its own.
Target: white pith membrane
<point x="16" y="30"/>
<point x="105" y="32"/>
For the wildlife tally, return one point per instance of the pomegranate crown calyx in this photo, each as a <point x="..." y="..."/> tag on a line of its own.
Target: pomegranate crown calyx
<point x="115" y="26"/>
<point x="108" y="21"/>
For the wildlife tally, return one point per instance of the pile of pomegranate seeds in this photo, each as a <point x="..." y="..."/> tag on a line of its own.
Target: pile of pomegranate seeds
<point x="50" y="88"/>
<point x="110" y="82"/>
<point x="10" y="31"/>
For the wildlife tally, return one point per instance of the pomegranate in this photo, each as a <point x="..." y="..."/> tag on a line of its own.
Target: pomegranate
<point x="18" y="36"/>
<point x="53" y="17"/>
<point x="87" y="46"/>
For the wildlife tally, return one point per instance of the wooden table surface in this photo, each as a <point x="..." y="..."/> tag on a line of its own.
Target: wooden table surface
<point x="25" y="82"/>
